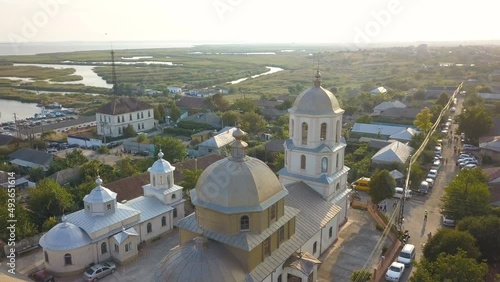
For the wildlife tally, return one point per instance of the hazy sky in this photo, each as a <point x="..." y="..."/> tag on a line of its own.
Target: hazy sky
<point x="311" y="21"/>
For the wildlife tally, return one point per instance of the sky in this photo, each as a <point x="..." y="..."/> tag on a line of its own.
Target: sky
<point x="248" y="21"/>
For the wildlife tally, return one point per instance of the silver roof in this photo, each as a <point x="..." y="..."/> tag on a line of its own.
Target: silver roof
<point x="223" y="138"/>
<point x="323" y="178"/>
<point x="99" y="194"/>
<point x="316" y="101"/>
<point x="243" y="240"/>
<point x="161" y="165"/>
<point x="92" y="223"/>
<point x="320" y="149"/>
<point x="64" y="236"/>
<point x="193" y="263"/>
<point x="232" y="184"/>
<point x="123" y="235"/>
<point x="149" y="207"/>
<point x="303" y="262"/>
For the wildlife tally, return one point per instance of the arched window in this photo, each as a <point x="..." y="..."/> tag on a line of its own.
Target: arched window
<point x="173" y="196"/>
<point x="67" y="259"/>
<point x="130" y="117"/>
<point x="330" y="232"/>
<point x="149" y="227"/>
<point x="302" y="162"/>
<point x="138" y="116"/>
<point x="104" y="248"/>
<point x="149" y="113"/>
<point x="163" y="220"/>
<point x="142" y="114"/>
<point x="119" y="130"/>
<point x="174" y="212"/>
<point x="292" y="127"/>
<point x="324" y="164"/>
<point x="154" y="180"/>
<point x="168" y="181"/>
<point x="337" y="161"/>
<point x="46" y="256"/>
<point x="118" y="119"/>
<point x="315" y="247"/>
<point x="337" y="187"/>
<point x="138" y="126"/>
<point x="305" y="129"/>
<point x="272" y="212"/>
<point x="322" y="135"/>
<point x="244" y="223"/>
<point x="161" y="180"/>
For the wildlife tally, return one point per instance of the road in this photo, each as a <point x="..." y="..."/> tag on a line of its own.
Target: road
<point x="416" y="206"/>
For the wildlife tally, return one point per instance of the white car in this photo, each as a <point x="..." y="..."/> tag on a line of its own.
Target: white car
<point x="395" y="271"/>
<point x="430" y="181"/>
<point x="98" y="271"/>
<point x="448" y="220"/>
<point x="432" y="174"/>
<point x="436" y="165"/>
<point x="469" y="166"/>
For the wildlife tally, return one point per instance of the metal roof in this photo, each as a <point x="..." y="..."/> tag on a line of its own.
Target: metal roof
<point x="316" y="101"/>
<point x="64" y="236"/>
<point x="223" y="138"/>
<point x="123" y="235"/>
<point x="26" y="155"/>
<point x="323" y="178"/>
<point x="372" y="128"/>
<point x="92" y="223"/>
<point x="99" y="195"/>
<point x="321" y="148"/>
<point x="394" y="152"/>
<point x="149" y="207"/>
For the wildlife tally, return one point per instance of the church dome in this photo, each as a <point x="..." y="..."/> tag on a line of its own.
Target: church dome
<point x="199" y="260"/>
<point x="161" y="165"/>
<point x="64" y="236"/>
<point x="316" y="101"/>
<point x="238" y="183"/>
<point x="99" y="194"/>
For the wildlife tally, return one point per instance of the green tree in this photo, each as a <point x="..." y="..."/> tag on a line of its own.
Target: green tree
<point x="173" y="149"/>
<point x="245" y="105"/>
<point x="189" y="181"/>
<point x="360" y="275"/>
<point x="129" y="131"/>
<point x="141" y="138"/>
<point x="467" y="195"/>
<point x="36" y="174"/>
<point x="218" y="103"/>
<point x="485" y="230"/>
<point x="49" y="223"/>
<point x="448" y="241"/>
<point x="475" y="122"/>
<point x="75" y="158"/>
<point x="450" y="267"/>
<point x="103" y="149"/>
<point x="253" y="123"/>
<point x="49" y="199"/>
<point x="382" y="186"/>
<point x="175" y="112"/>
<point x="24" y="225"/>
<point x="125" y="168"/>
<point x="419" y="95"/>
<point x="279" y="161"/>
<point x="95" y="168"/>
<point x="423" y="120"/>
<point x="39" y="144"/>
<point x="442" y="100"/>
<point x="231" y="118"/>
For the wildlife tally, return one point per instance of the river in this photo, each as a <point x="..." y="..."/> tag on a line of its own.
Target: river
<point x="22" y="110"/>
<point x="271" y="71"/>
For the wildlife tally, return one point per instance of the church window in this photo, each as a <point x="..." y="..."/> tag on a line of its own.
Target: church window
<point x="149" y="228"/>
<point x="174" y="212"/>
<point x="88" y="206"/>
<point x="130" y="117"/>
<point x="46" y="256"/>
<point x="118" y="119"/>
<point x="142" y="125"/>
<point x="330" y="232"/>
<point x="119" y="130"/>
<point x="280" y="279"/>
<point x="100" y="117"/>
<point x="108" y="207"/>
<point x="305" y="129"/>
<point x="142" y="114"/>
<point x="154" y="180"/>
<point x="310" y="278"/>
<point x="281" y="235"/>
<point x="315" y="247"/>
<point x="266" y="247"/>
<point x="337" y="161"/>
<point x="302" y="162"/>
<point x="128" y="247"/>
<point x="138" y="126"/>
<point x="138" y="117"/>
<point x="161" y="180"/>
<point x="272" y="212"/>
<point x="292" y="128"/>
<point x="337" y="136"/>
<point x="104" y="248"/>
<point x="117" y="248"/>
<point x="324" y="164"/>
<point x="337" y="187"/>
<point x="173" y="196"/>
<point x="322" y="135"/>
<point x="67" y="259"/>
<point x="244" y="223"/>
<point x="149" y="114"/>
<point x="168" y="181"/>
<point x="163" y="220"/>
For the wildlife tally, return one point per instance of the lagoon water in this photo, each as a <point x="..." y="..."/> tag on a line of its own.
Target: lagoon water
<point x="22" y="110"/>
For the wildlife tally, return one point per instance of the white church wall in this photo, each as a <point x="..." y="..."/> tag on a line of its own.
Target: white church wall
<point x="80" y="258"/>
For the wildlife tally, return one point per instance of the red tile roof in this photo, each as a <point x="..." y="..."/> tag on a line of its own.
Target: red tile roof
<point x="191" y="102"/>
<point x="131" y="187"/>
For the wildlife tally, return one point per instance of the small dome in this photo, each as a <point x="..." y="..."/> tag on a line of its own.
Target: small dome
<point x="64" y="236"/>
<point x="228" y="184"/>
<point x="199" y="261"/>
<point x="99" y="194"/>
<point x="316" y="101"/>
<point x="161" y="165"/>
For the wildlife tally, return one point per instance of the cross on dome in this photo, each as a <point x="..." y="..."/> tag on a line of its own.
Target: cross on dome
<point x="317" y="82"/>
<point x="160" y="154"/>
<point x="98" y="181"/>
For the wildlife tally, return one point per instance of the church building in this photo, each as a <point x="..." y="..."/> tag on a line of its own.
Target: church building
<point x="106" y="229"/>
<point x="250" y="225"/>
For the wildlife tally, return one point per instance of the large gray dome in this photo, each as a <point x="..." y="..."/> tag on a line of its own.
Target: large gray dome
<point x="234" y="186"/>
<point x="316" y="101"/>
<point x="64" y="236"/>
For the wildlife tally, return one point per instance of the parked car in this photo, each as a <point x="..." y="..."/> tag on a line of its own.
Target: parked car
<point x="424" y="187"/>
<point x="42" y="276"/>
<point x="432" y="174"/>
<point x="362" y="184"/>
<point x="469" y="166"/>
<point x="468" y="147"/>
<point x="430" y="181"/>
<point x="448" y="220"/>
<point x="99" y="270"/>
<point x="395" y="271"/>
<point x="436" y="165"/>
